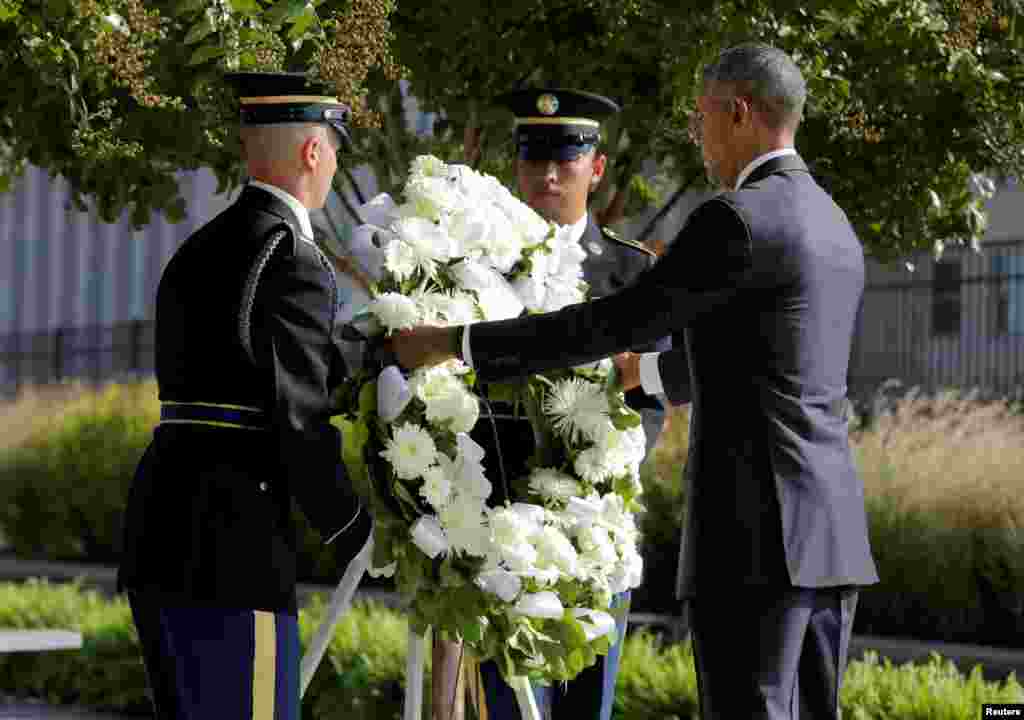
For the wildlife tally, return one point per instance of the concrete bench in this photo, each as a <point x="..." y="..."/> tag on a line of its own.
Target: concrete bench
<point x="39" y="640"/>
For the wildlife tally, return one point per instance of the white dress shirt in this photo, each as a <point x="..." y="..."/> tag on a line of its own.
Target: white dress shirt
<point x="575" y="235"/>
<point x="650" y="375"/>
<point x="300" y="210"/>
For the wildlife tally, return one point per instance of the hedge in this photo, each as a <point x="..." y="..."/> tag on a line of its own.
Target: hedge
<point x="362" y="674"/>
<point x="944" y="477"/>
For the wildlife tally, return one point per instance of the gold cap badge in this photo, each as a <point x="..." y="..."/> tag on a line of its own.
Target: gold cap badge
<point x="547" y="104"/>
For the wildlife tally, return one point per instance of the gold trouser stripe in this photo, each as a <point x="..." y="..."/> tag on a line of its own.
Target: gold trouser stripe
<point x="281" y="99"/>
<point x="216" y="405"/>
<point x="214" y="423"/>
<point x="556" y="121"/>
<point x="264" y="662"/>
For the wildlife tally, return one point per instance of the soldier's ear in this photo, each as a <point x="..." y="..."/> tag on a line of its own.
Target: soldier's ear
<point x="600" y="161"/>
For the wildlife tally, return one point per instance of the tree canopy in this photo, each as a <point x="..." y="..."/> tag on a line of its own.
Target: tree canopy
<point x="913" y="105"/>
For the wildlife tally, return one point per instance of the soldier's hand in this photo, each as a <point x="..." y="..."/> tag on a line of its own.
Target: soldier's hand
<point x="424" y="346"/>
<point x="628" y="365"/>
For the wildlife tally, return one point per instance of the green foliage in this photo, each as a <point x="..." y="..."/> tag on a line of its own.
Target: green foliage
<point x="117" y="96"/>
<point x="362" y="674"/>
<point x="63" y="489"/>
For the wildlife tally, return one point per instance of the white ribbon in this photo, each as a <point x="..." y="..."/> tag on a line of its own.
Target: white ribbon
<point x="524" y="695"/>
<point x="599" y="622"/>
<point x="393" y="393"/>
<point x="415" y="658"/>
<point x="428" y="536"/>
<point x="341" y="601"/>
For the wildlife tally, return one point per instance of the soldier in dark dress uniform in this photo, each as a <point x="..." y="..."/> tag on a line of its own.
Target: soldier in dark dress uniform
<point x="558" y="162"/>
<point x="245" y="361"/>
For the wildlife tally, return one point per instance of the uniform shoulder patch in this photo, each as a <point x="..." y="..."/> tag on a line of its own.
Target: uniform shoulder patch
<point x="614" y="237"/>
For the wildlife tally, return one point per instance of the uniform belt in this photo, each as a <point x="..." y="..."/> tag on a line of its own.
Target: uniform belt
<point x="213" y="414"/>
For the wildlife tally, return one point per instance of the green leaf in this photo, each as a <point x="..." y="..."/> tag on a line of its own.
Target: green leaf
<point x="199" y="31"/>
<point x="302" y="24"/>
<point x="189" y="7"/>
<point x="246" y="7"/>
<point x="285" y="10"/>
<point x="205" y="53"/>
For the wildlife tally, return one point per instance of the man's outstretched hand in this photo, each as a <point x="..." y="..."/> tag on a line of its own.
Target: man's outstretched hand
<point x="425" y="346"/>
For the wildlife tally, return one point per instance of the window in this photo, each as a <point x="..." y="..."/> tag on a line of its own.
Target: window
<point x="1007" y="294"/>
<point x="946" y="288"/>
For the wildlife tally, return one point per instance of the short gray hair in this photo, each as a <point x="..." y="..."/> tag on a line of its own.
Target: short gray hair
<point x="766" y="73"/>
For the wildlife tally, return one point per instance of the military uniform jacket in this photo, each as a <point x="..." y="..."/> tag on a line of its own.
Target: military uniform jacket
<point x="762" y="285"/>
<point x="209" y="520"/>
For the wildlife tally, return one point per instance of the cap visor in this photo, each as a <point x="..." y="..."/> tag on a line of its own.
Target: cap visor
<point x="557" y="153"/>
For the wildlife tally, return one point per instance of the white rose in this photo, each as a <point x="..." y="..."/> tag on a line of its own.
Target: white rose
<point x="410" y="451"/>
<point x="464" y="525"/>
<point x="501" y="583"/>
<point x="554" y="550"/>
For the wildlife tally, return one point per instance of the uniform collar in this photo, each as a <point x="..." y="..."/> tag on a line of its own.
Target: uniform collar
<point x="759" y="161"/>
<point x="577" y="229"/>
<point x="297" y="208"/>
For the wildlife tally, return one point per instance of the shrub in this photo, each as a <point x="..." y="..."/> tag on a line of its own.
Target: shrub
<point x="362" y="674"/>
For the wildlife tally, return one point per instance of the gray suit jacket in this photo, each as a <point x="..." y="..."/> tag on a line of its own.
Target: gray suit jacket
<point x="761" y="288"/>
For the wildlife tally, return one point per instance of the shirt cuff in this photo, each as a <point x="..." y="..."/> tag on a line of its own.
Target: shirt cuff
<point x="650" y="376"/>
<point x="467" y="356"/>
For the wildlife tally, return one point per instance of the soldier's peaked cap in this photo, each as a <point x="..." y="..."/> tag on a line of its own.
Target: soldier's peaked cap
<point x="556" y="123"/>
<point x="275" y="98"/>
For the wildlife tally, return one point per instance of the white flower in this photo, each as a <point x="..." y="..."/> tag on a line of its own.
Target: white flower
<point x="592" y="466"/>
<point x="553" y="485"/>
<point x="562" y="293"/>
<point x="540" y="605"/>
<point x="429" y="198"/>
<point x="579" y="408"/>
<point x="501" y="583"/>
<point x="554" y="550"/>
<point x="410" y="451"/>
<point x="118" y="23"/>
<point x="428" y="536"/>
<point x="623" y="450"/>
<point x="400" y="259"/>
<point x="615" y="516"/>
<point x="426" y="241"/>
<point x="395" y="311"/>
<point x="447" y="400"/>
<point x="598" y="550"/>
<point x="505" y="248"/>
<point x="437" y="486"/>
<point x="428" y="166"/>
<point x="628" y="573"/>
<point x="531" y="291"/>
<point x="463" y="523"/>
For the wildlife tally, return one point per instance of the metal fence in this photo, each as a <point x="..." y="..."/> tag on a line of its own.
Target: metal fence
<point x="958" y="322"/>
<point x="93" y="354"/>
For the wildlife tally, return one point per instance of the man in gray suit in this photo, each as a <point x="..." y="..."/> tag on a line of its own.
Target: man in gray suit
<point x="761" y="287"/>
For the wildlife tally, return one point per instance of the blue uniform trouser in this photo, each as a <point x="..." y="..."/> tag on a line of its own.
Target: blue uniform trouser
<point x="219" y="664"/>
<point x="589" y="696"/>
<point x="771" y="654"/>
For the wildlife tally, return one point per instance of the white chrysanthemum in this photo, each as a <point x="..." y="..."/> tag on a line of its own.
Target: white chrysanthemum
<point x="598" y="550"/>
<point x="410" y="451"/>
<point x="553" y="485"/>
<point x="577" y="407"/>
<point x="619" y="520"/>
<point x="623" y="450"/>
<point x="437" y="486"/>
<point x="428" y="166"/>
<point x="555" y="550"/>
<point x="430" y="198"/>
<point x="395" y="311"/>
<point x="433" y="384"/>
<point x="400" y="259"/>
<point x="427" y="241"/>
<point x="510" y="535"/>
<point x="591" y="466"/>
<point x="505" y="248"/>
<point x="465" y="527"/>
